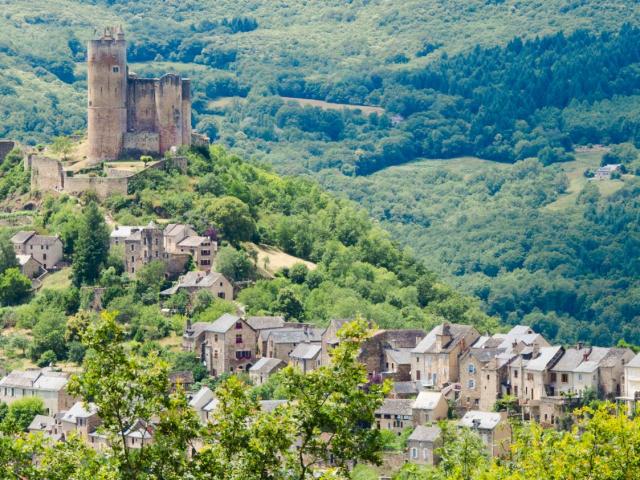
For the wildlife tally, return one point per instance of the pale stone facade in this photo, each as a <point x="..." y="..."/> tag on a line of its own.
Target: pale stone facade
<point x="45" y="249"/>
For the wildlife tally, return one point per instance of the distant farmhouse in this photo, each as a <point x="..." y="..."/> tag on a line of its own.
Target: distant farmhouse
<point x="36" y="253"/>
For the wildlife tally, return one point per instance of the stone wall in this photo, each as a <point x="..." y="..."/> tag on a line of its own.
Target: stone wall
<point x="140" y="143"/>
<point x="46" y="173"/>
<point x="5" y="147"/>
<point x="103" y="186"/>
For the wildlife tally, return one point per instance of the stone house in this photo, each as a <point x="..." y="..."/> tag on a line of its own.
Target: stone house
<point x="631" y="391"/>
<point x="174" y="233"/>
<point x="384" y="354"/>
<point x="484" y="375"/>
<point x="264" y="368"/>
<point x="605" y="172"/>
<point x="532" y="377"/>
<point x="422" y="445"/>
<point x="201" y="249"/>
<point x="142" y="246"/>
<point x="47" y="250"/>
<point x="394" y="415"/>
<point x="80" y="419"/>
<point x="263" y="324"/>
<point x="436" y="359"/>
<point x="404" y="390"/>
<point x="203" y="403"/>
<point x="329" y="339"/>
<point x="306" y="356"/>
<point x="43" y="424"/>
<point x="429" y="407"/>
<point x="48" y="385"/>
<point x="227" y="345"/>
<point x="29" y="266"/>
<point x="197" y="281"/>
<point x="493" y="428"/>
<point x="282" y="341"/>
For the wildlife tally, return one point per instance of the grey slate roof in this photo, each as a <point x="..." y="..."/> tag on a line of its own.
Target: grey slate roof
<point x="427" y="400"/>
<point x="541" y="362"/>
<point x="201" y="398"/>
<point x="41" y="423"/>
<point x="262" y="323"/>
<point x="195" y="279"/>
<point x="22" y="236"/>
<point x="402" y="356"/>
<point x="425" y="434"/>
<point x="306" y="351"/>
<point x="36" y="379"/>
<point x="78" y="410"/>
<point x="394" y="406"/>
<point x="634" y="362"/>
<point x="481" y="420"/>
<point x="406" y="388"/>
<point x="222" y="324"/>
<point x="428" y="343"/>
<point x="193" y="241"/>
<point x="266" y="365"/>
<point x="295" y="335"/>
<point x="124" y="231"/>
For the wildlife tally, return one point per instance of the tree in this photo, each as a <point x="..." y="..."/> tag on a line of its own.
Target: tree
<point x="49" y="334"/>
<point x="462" y="453"/>
<point x="21" y="413"/>
<point x="92" y="246"/>
<point x="62" y="146"/>
<point x="14" y="287"/>
<point x="298" y="273"/>
<point x="7" y="256"/>
<point x="128" y="389"/>
<point x="47" y="359"/>
<point x="234" y="264"/>
<point x="150" y="279"/>
<point x="233" y="219"/>
<point x="289" y="305"/>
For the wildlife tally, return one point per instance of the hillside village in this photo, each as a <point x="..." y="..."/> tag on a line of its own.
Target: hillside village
<point x="451" y="374"/>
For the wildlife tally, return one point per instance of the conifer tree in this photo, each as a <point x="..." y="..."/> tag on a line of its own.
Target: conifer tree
<point x="92" y="246"/>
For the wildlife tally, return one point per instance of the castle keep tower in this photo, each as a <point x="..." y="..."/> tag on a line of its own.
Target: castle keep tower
<point x="128" y="115"/>
<point x="107" y="95"/>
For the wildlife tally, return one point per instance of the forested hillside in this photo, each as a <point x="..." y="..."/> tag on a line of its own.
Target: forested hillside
<point x="537" y="244"/>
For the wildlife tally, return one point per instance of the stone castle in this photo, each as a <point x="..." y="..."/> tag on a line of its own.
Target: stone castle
<point x="131" y="115"/>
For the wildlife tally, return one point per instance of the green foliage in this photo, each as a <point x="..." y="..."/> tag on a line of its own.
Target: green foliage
<point x="62" y="146"/>
<point x="14" y="287"/>
<point x="7" y="255"/>
<point x="234" y="264"/>
<point x="92" y="246"/>
<point x="20" y="414"/>
<point x="47" y="359"/>
<point x="232" y="217"/>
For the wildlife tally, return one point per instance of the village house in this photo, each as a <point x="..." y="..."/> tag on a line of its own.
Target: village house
<point x="198" y="281"/>
<point x="174" y="233"/>
<point x="29" y="266"/>
<point x="81" y="419"/>
<point x="227" y="345"/>
<point x="141" y="245"/>
<point x="530" y="376"/>
<point x="385" y="353"/>
<point x="264" y="368"/>
<point x="404" y="390"/>
<point x="263" y="324"/>
<point x="48" y="385"/>
<point x="429" y="407"/>
<point x="329" y="339"/>
<point x="394" y="415"/>
<point x="493" y="428"/>
<point x="45" y="249"/>
<point x="282" y="341"/>
<point x="423" y="443"/>
<point x="631" y="390"/>
<point x="203" y="403"/>
<point x="43" y="424"/>
<point x="306" y="356"/>
<point x="484" y="375"/>
<point x="436" y="359"/>
<point x="201" y="249"/>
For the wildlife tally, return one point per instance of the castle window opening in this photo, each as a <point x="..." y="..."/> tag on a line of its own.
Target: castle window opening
<point x="116" y="69"/>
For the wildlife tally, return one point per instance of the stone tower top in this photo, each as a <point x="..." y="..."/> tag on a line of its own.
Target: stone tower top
<point x="113" y="33"/>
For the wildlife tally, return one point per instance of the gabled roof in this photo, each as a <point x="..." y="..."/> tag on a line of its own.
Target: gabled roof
<point x="195" y="279"/>
<point x="427" y="400"/>
<point x="262" y="323"/>
<point x="425" y="434"/>
<point x="634" y="362"/>
<point x="306" y="351"/>
<point x="36" y="379"/>
<point x="193" y="241"/>
<point x="481" y="420"/>
<point x="78" y="410"/>
<point x="573" y="359"/>
<point x="41" y="423"/>
<point x="394" y="406"/>
<point x="401" y="356"/>
<point x="22" y="236"/>
<point x="406" y="388"/>
<point x="266" y="365"/>
<point x="294" y="335"/>
<point x="428" y="343"/>
<point x="124" y="231"/>
<point x="24" y="259"/>
<point x="542" y="361"/>
<point x="223" y="324"/>
<point x="201" y="398"/>
<point x="178" y="229"/>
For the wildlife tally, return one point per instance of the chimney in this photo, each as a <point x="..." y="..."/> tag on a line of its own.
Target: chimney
<point x="536" y="351"/>
<point x="443" y="338"/>
<point x="585" y="355"/>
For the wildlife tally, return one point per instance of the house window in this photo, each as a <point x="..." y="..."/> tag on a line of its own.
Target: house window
<point x="472" y="368"/>
<point x="242" y="354"/>
<point x="44" y="256"/>
<point x="115" y="69"/>
<point x="205" y="262"/>
<point x="565" y="378"/>
<point x="132" y="248"/>
<point x="515" y="374"/>
<point x="554" y="377"/>
<point x="580" y="376"/>
<point x="205" y="252"/>
<point x="238" y="338"/>
<point x="221" y="295"/>
<point x="529" y="376"/>
<point x="417" y="374"/>
<point x="425" y="453"/>
<point x="472" y="383"/>
<point x="215" y="337"/>
<point x="238" y="325"/>
<point x="215" y="354"/>
<point x="414" y="452"/>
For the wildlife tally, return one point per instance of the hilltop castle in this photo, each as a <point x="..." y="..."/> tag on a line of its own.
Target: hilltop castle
<point x="127" y="114"/>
